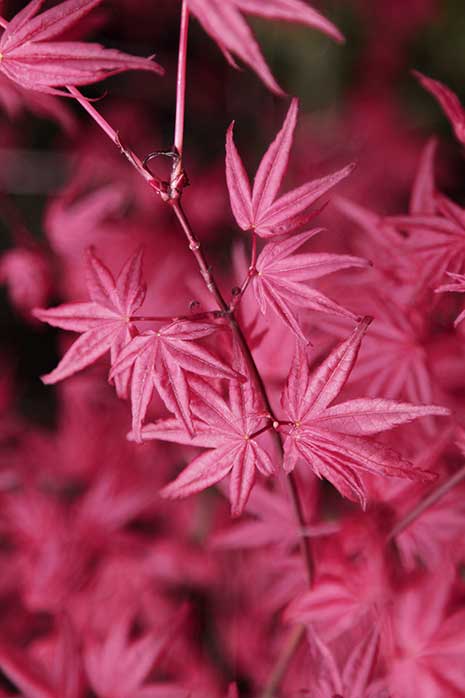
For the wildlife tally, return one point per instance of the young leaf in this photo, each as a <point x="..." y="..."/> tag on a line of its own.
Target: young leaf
<point x="259" y="209"/>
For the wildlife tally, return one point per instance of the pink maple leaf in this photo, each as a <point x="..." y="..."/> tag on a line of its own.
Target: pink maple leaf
<point x="449" y="102"/>
<point x="29" y="58"/>
<point x="227" y="429"/>
<point x="160" y="360"/>
<point x="63" y="679"/>
<point x="118" y="668"/>
<point x="274" y="523"/>
<point x="355" y="679"/>
<point x="223" y="21"/>
<point x="279" y="276"/>
<point x="391" y="252"/>
<point x="105" y="321"/>
<point x="331" y="439"/>
<point x="353" y="584"/>
<point x="258" y="209"/>
<point x="15" y="99"/>
<point x="456" y="285"/>
<point x="436" y="240"/>
<point x="426" y="645"/>
<point x="28" y="277"/>
<point x="394" y="361"/>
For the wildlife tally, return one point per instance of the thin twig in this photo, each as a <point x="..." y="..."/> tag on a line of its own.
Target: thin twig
<point x="294" y="639"/>
<point x="426" y="503"/>
<point x="111" y="133"/>
<point x="207" y="274"/>
<point x="181" y="80"/>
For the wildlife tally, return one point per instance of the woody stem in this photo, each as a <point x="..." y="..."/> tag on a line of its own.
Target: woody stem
<point x="207" y="274"/>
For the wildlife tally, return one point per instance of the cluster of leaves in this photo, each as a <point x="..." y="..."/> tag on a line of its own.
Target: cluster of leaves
<point x="313" y="373"/>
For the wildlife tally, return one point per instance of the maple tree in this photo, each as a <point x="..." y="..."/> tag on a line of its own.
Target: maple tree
<point x="265" y="497"/>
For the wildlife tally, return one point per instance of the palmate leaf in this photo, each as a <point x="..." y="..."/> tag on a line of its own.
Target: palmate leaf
<point x="105" y="322"/>
<point x="226" y="428"/>
<point x="29" y="58"/>
<point x="280" y="276"/>
<point x="331" y="439"/>
<point x="223" y="21"/>
<point x="160" y="360"/>
<point x="258" y="209"/>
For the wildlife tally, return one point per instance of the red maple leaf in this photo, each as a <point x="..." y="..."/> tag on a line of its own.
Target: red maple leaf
<point x="28" y="57"/>
<point x="105" y="321"/>
<point x="331" y="439"/>
<point x="160" y="360"/>
<point x="223" y="21"/>
<point x="279" y="276"/>
<point x="258" y="209"/>
<point x="227" y="428"/>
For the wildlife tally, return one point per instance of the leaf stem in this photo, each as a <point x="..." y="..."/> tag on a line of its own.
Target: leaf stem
<point x="426" y="503"/>
<point x="208" y="314"/>
<point x="251" y="273"/>
<point x="267" y="427"/>
<point x="181" y="80"/>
